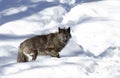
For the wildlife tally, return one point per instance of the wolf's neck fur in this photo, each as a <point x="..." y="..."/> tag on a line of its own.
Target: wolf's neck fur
<point x="54" y="41"/>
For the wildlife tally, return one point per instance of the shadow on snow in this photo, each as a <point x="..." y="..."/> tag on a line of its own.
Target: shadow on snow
<point x="29" y="11"/>
<point x="12" y="37"/>
<point x="32" y="8"/>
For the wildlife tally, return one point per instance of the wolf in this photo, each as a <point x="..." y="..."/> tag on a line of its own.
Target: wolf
<point x="49" y="44"/>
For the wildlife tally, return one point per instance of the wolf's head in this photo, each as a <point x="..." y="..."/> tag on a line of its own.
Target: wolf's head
<point x="64" y="34"/>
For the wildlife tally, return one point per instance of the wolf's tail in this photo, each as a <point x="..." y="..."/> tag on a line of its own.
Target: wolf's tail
<point x="21" y="57"/>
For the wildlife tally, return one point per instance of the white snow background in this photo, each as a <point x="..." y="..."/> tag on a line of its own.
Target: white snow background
<point x="92" y="52"/>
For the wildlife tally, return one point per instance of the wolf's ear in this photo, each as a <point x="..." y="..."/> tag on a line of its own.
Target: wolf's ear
<point x="68" y="30"/>
<point x="59" y="30"/>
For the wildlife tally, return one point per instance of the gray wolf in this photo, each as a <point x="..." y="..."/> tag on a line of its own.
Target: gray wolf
<point x="49" y="44"/>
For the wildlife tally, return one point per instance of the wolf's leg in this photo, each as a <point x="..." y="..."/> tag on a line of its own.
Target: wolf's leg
<point x="58" y="56"/>
<point x="54" y="54"/>
<point x="34" y="55"/>
<point x="31" y="55"/>
<point x="21" y="57"/>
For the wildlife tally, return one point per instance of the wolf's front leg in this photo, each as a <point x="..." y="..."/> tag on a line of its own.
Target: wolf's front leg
<point x="54" y="54"/>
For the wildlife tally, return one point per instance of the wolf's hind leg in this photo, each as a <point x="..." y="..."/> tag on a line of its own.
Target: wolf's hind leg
<point x="21" y="57"/>
<point x="32" y="55"/>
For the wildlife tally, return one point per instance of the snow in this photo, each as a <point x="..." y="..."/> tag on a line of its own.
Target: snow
<point x="68" y="1"/>
<point x="92" y="52"/>
<point x="13" y="11"/>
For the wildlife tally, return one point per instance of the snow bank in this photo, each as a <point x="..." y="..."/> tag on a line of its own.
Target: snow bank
<point x="94" y="25"/>
<point x="43" y="20"/>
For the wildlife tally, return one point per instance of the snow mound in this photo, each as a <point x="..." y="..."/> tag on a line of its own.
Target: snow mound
<point x="95" y="30"/>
